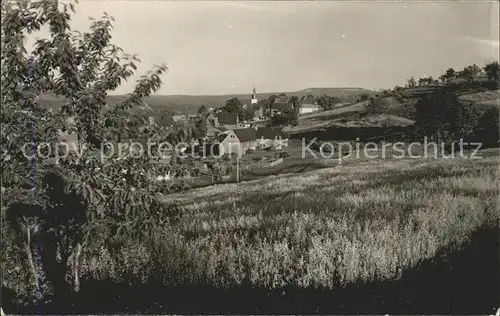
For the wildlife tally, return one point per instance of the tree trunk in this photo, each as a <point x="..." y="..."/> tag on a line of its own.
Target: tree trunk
<point x="29" y="255"/>
<point x="76" y="267"/>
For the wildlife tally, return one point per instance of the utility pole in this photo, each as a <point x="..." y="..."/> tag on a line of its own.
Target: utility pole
<point x="238" y="169"/>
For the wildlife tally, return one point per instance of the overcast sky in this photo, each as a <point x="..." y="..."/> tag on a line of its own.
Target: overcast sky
<point x="226" y="47"/>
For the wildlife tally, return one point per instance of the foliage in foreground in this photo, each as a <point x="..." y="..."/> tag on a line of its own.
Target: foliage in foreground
<point x="55" y="205"/>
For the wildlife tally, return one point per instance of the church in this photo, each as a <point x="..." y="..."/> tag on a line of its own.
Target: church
<point x="257" y="108"/>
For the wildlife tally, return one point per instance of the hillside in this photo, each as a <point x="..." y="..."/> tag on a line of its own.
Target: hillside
<point x="483" y="98"/>
<point x="353" y="116"/>
<point x="397" y="115"/>
<point x="189" y="104"/>
<point x="220" y="100"/>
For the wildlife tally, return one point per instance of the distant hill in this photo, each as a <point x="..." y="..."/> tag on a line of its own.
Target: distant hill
<point x="189" y="104"/>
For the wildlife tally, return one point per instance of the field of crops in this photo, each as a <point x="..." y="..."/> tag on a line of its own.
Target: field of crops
<point x="325" y="228"/>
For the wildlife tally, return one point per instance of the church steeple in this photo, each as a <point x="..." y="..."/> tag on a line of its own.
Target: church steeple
<point x="254" y="96"/>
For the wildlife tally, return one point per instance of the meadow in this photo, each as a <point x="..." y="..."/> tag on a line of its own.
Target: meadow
<point x="324" y="230"/>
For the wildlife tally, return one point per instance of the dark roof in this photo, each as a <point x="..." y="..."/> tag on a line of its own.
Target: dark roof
<point x="246" y="134"/>
<point x="281" y="106"/>
<point x="227" y="118"/>
<point x="280" y="99"/>
<point x="268" y="133"/>
<point x="214" y="130"/>
<point x="307" y="101"/>
<point x="245" y="101"/>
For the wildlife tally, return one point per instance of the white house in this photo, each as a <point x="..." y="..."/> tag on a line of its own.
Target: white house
<point x="238" y="141"/>
<point x="307" y="105"/>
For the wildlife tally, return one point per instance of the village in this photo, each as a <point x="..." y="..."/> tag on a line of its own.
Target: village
<point x="243" y="144"/>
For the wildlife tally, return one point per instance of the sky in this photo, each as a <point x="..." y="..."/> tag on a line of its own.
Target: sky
<point x="225" y="47"/>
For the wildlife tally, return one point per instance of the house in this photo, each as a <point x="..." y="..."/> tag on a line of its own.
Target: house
<point x="269" y="132"/>
<point x="213" y="131"/>
<point x="227" y="120"/>
<point x="268" y="137"/>
<point x="180" y="117"/>
<point x="280" y="104"/>
<point x="212" y="120"/>
<point x="307" y="105"/>
<point x="238" y="141"/>
<point x="243" y="125"/>
<point x="214" y="125"/>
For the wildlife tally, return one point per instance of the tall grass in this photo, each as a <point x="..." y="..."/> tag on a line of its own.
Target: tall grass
<point x="326" y="228"/>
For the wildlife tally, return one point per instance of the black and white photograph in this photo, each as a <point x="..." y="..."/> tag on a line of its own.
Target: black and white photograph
<point x="168" y="157"/>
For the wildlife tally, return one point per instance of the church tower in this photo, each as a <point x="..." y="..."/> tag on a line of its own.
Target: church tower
<point x="258" y="112"/>
<point x="254" y="96"/>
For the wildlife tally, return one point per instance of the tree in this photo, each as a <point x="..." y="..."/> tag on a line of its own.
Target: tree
<point x="467" y="73"/>
<point x="202" y="110"/>
<point x="200" y="128"/>
<point x="335" y="100"/>
<point x="325" y="102"/>
<point x="492" y="71"/>
<point x="165" y="119"/>
<point x="286" y="117"/>
<point x="79" y="197"/>
<point x="363" y="97"/>
<point x="386" y="92"/>
<point x="448" y="75"/>
<point x="426" y="81"/>
<point x="264" y="104"/>
<point x="488" y="127"/>
<point x="233" y="105"/>
<point x="294" y="100"/>
<point x="377" y="105"/>
<point x="442" y="114"/>
<point x="475" y="69"/>
<point x="270" y="101"/>
<point x="248" y="113"/>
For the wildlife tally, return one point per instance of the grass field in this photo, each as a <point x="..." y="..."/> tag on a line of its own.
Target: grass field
<point x="326" y="228"/>
<point x="352" y="115"/>
<point x="479" y="97"/>
<point x="366" y="236"/>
